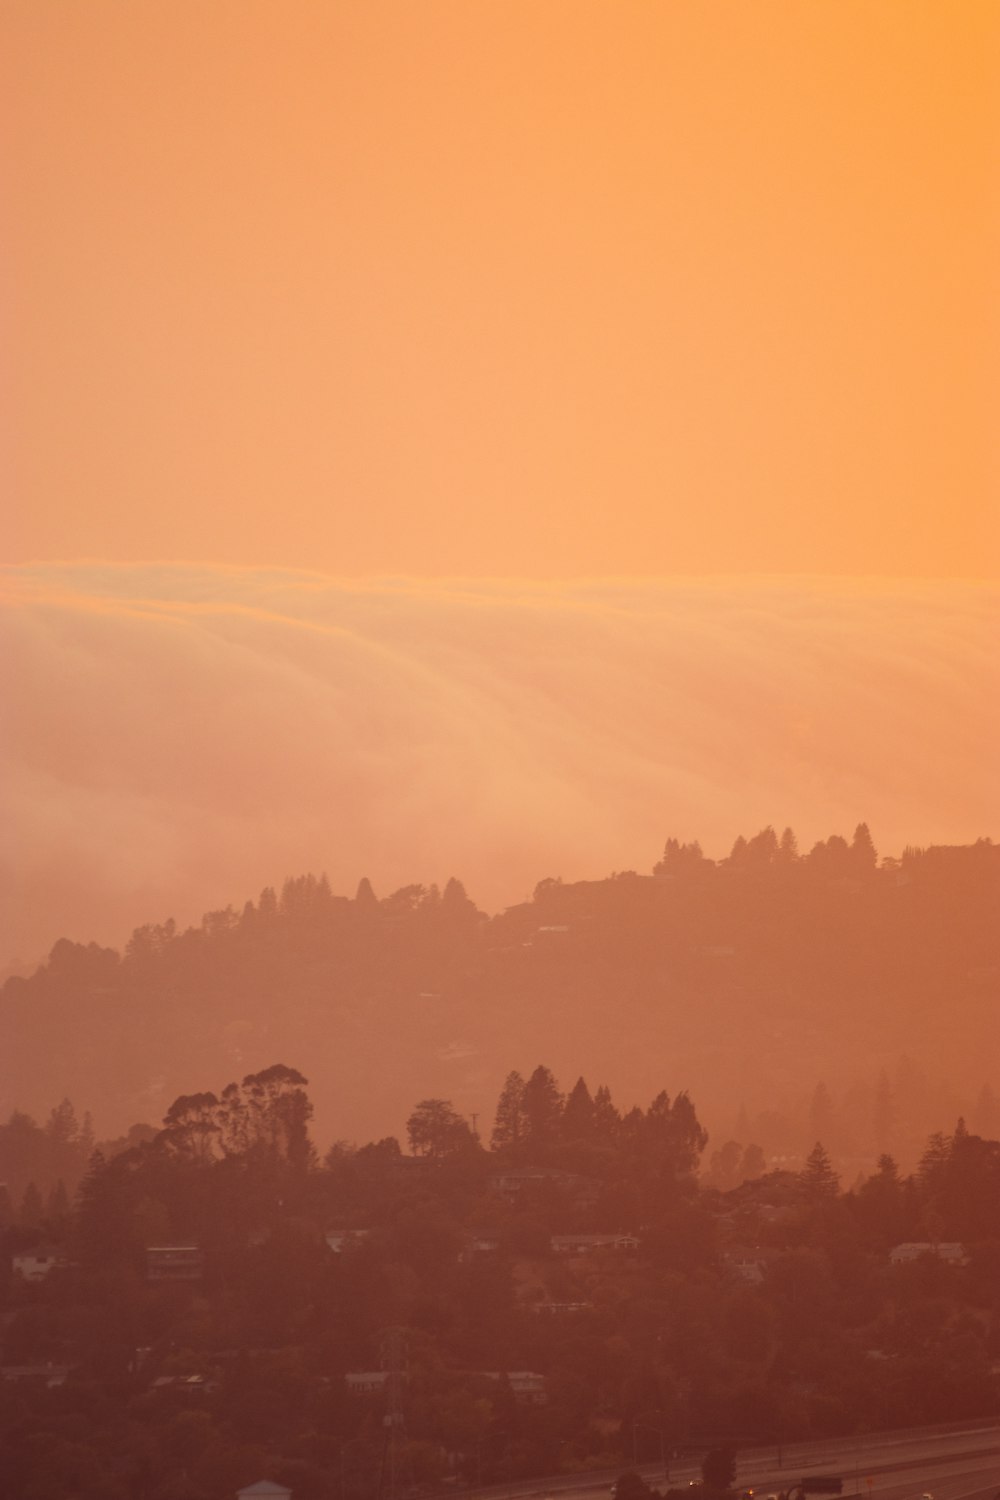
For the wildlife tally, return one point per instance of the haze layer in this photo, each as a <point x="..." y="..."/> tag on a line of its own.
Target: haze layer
<point x="182" y="736"/>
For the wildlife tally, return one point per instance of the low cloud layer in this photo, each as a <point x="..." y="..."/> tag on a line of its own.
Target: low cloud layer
<point x="177" y="737"/>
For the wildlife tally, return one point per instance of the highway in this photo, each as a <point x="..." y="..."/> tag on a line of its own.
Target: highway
<point x="949" y="1463"/>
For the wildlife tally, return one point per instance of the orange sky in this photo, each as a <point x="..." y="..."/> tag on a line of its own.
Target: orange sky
<point x="536" y="287"/>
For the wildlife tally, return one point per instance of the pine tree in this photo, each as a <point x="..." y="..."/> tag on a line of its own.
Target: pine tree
<point x="607" y="1120"/>
<point x="819" y="1181"/>
<point x="788" y="849"/>
<point x="510" y="1125"/>
<point x="578" y="1115"/>
<point x="863" y="853"/>
<point x="105" y="1213"/>
<point x="543" y="1106"/>
<point x="933" y="1166"/>
<point x="763" y="847"/>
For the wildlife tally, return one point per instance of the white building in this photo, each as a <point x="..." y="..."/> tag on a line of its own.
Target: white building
<point x="34" y="1265"/>
<point x="948" y="1250"/>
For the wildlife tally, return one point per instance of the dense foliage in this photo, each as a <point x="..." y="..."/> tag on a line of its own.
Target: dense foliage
<point x="808" y="987"/>
<point x="449" y="1279"/>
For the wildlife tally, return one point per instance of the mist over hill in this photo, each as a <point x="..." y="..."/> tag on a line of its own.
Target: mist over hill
<point x="176" y="734"/>
<point x="796" y="996"/>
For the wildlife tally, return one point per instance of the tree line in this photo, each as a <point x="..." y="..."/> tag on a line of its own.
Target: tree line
<point x="453" y="1254"/>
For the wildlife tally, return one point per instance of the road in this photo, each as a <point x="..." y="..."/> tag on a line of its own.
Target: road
<point x="953" y="1463"/>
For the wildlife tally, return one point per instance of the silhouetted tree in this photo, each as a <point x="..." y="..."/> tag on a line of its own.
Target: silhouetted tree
<point x="863" y="853"/>
<point x="192" y="1126"/>
<point x="543" y="1104"/>
<point x="510" y="1127"/>
<point x="436" y="1130"/>
<point x="788" y="848"/>
<point x="819" y="1181"/>
<point x="578" y="1113"/>
<point x="718" y="1468"/>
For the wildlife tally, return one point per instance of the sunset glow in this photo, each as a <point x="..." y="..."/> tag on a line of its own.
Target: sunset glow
<point x="521" y="289"/>
<point x="499" y="959"/>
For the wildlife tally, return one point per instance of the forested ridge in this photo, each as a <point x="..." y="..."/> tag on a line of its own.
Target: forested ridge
<point x="795" y="994"/>
<point x="555" y="1291"/>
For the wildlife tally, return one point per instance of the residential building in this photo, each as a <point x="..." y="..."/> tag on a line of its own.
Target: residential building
<point x="584" y="1244"/>
<point x="911" y="1250"/>
<point x="174" y="1263"/>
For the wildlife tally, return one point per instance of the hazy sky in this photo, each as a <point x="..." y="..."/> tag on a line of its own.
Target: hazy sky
<point x="333" y="302"/>
<point x="180" y="737"/>
<point x="525" y="287"/>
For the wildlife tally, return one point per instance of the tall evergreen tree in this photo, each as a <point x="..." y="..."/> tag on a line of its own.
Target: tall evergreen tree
<point x="510" y="1125"/>
<point x="864" y="856"/>
<point x="578" y="1114"/>
<point x="820" y="1182"/>
<point x="543" y="1106"/>
<point x="788" y="848"/>
<point x="607" y="1120"/>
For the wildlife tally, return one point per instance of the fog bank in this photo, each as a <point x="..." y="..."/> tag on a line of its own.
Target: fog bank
<point x="179" y="736"/>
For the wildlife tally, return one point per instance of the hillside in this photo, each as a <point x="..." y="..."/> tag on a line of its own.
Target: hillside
<point x="749" y="981"/>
